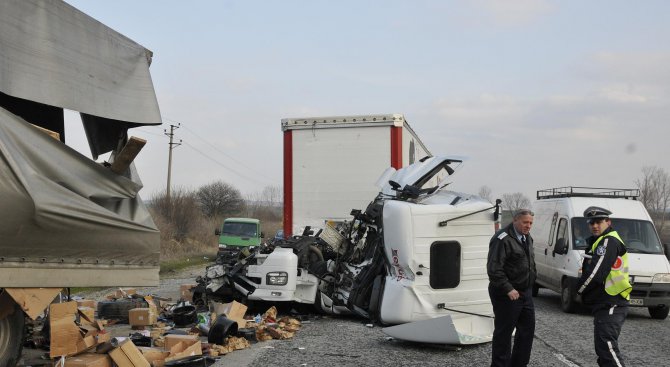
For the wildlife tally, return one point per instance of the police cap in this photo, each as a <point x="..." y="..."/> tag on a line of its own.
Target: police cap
<point x="595" y="212"/>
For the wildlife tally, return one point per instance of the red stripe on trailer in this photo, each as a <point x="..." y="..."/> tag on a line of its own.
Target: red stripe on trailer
<point x="396" y="147"/>
<point x="288" y="183"/>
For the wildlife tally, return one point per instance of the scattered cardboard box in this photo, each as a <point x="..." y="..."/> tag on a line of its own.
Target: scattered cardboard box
<point x="233" y="310"/>
<point x="127" y="355"/>
<point x="89" y="360"/>
<point x="87" y="303"/>
<point x="122" y="293"/>
<point x="141" y="317"/>
<point x="185" y="291"/>
<point x="86" y="315"/>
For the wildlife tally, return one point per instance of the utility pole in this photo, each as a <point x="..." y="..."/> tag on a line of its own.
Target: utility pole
<point x="171" y="145"/>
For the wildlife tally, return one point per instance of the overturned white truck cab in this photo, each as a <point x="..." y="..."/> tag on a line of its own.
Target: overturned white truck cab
<point x="415" y="258"/>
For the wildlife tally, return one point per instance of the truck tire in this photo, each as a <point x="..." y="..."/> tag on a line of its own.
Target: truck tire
<point x="568" y="302"/>
<point x="659" y="312"/>
<point x="11" y="338"/>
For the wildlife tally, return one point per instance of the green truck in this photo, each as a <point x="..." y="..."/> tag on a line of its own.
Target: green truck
<point x="238" y="233"/>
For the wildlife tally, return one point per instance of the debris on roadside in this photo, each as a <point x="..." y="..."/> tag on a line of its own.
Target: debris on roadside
<point x="161" y="333"/>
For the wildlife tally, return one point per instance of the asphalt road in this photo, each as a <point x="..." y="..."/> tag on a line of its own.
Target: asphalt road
<point x="560" y="340"/>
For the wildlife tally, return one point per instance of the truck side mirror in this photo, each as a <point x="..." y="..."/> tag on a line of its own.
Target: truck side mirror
<point x="217" y="232"/>
<point x="262" y="234"/>
<point x="666" y="247"/>
<point x="561" y="247"/>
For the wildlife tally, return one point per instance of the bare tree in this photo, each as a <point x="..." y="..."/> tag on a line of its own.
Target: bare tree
<point x="485" y="192"/>
<point x="654" y="188"/>
<point x="220" y="199"/>
<point x="515" y="201"/>
<point x="266" y="204"/>
<point x="180" y="212"/>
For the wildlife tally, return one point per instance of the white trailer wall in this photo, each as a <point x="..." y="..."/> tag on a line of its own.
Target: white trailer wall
<point x="334" y="171"/>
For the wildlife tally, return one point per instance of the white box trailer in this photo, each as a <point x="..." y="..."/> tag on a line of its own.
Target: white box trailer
<point x="331" y="163"/>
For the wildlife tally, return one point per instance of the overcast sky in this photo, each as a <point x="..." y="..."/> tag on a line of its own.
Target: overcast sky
<point x="536" y="94"/>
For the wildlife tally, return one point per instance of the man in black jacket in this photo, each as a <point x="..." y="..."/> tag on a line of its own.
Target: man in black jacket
<point x="604" y="285"/>
<point x="511" y="270"/>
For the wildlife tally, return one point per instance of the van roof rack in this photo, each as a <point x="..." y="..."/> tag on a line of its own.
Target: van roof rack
<point x="590" y="192"/>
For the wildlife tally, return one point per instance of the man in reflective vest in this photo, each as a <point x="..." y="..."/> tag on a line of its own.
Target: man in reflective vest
<point x="604" y="285"/>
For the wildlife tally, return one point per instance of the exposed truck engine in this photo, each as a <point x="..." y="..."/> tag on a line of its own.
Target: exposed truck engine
<point x="414" y="258"/>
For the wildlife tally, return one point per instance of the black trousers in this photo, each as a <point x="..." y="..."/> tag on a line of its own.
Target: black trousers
<point x="519" y="314"/>
<point x="607" y="323"/>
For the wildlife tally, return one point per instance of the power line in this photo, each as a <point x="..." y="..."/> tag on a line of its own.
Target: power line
<point x="226" y="154"/>
<point x="224" y="166"/>
<point x="209" y="156"/>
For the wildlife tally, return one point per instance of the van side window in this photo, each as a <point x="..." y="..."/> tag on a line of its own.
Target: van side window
<point x="562" y="231"/>
<point x="580" y="232"/>
<point x="553" y="227"/>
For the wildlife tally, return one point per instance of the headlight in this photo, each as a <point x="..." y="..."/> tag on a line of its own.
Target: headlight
<point x="661" y="278"/>
<point x="276" y="278"/>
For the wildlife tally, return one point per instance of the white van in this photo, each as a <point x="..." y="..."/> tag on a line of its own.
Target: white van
<point x="560" y="230"/>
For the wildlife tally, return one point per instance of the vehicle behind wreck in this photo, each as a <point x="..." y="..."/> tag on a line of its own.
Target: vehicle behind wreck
<point x="68" y="221"/>
<point x="417" y="253"/>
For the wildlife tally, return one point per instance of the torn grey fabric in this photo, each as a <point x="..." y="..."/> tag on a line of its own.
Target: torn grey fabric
<point x="69" y="216"/>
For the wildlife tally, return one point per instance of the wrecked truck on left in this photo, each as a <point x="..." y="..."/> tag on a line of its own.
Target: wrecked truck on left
<point x="66" y="220"/>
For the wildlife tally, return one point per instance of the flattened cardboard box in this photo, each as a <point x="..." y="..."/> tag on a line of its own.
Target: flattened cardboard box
<point x="184" y="349"/>
<point x="64" y="333"/>
<point x="89" y="360"/>
<point x="127" y="355"/>
<point x="172" y="340"/>
<point x="155" y="356"/>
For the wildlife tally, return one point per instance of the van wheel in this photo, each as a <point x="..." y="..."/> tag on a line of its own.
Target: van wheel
<point x="659" y="313"/>
<point x="568" y="302"/>
<point x="11" y="337"/>
<point x="536" y="289"/>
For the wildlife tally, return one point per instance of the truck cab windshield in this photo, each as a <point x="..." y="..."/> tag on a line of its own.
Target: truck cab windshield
<point x="639" y="236"/>
<point x="239" y="229"/>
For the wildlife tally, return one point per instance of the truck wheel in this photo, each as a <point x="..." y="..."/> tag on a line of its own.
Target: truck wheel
<point x="536" y="289"/>
<point x="568" y="302"/>
<point x="659" y="313"/>
<point x="11" y="337"/>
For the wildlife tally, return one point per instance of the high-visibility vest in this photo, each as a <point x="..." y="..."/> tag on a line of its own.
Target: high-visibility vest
<point x="617" y="281"/>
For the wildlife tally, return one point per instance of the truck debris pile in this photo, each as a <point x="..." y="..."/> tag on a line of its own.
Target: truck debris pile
<point x="77" y="336"/>
<point x="417" y="252"/>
